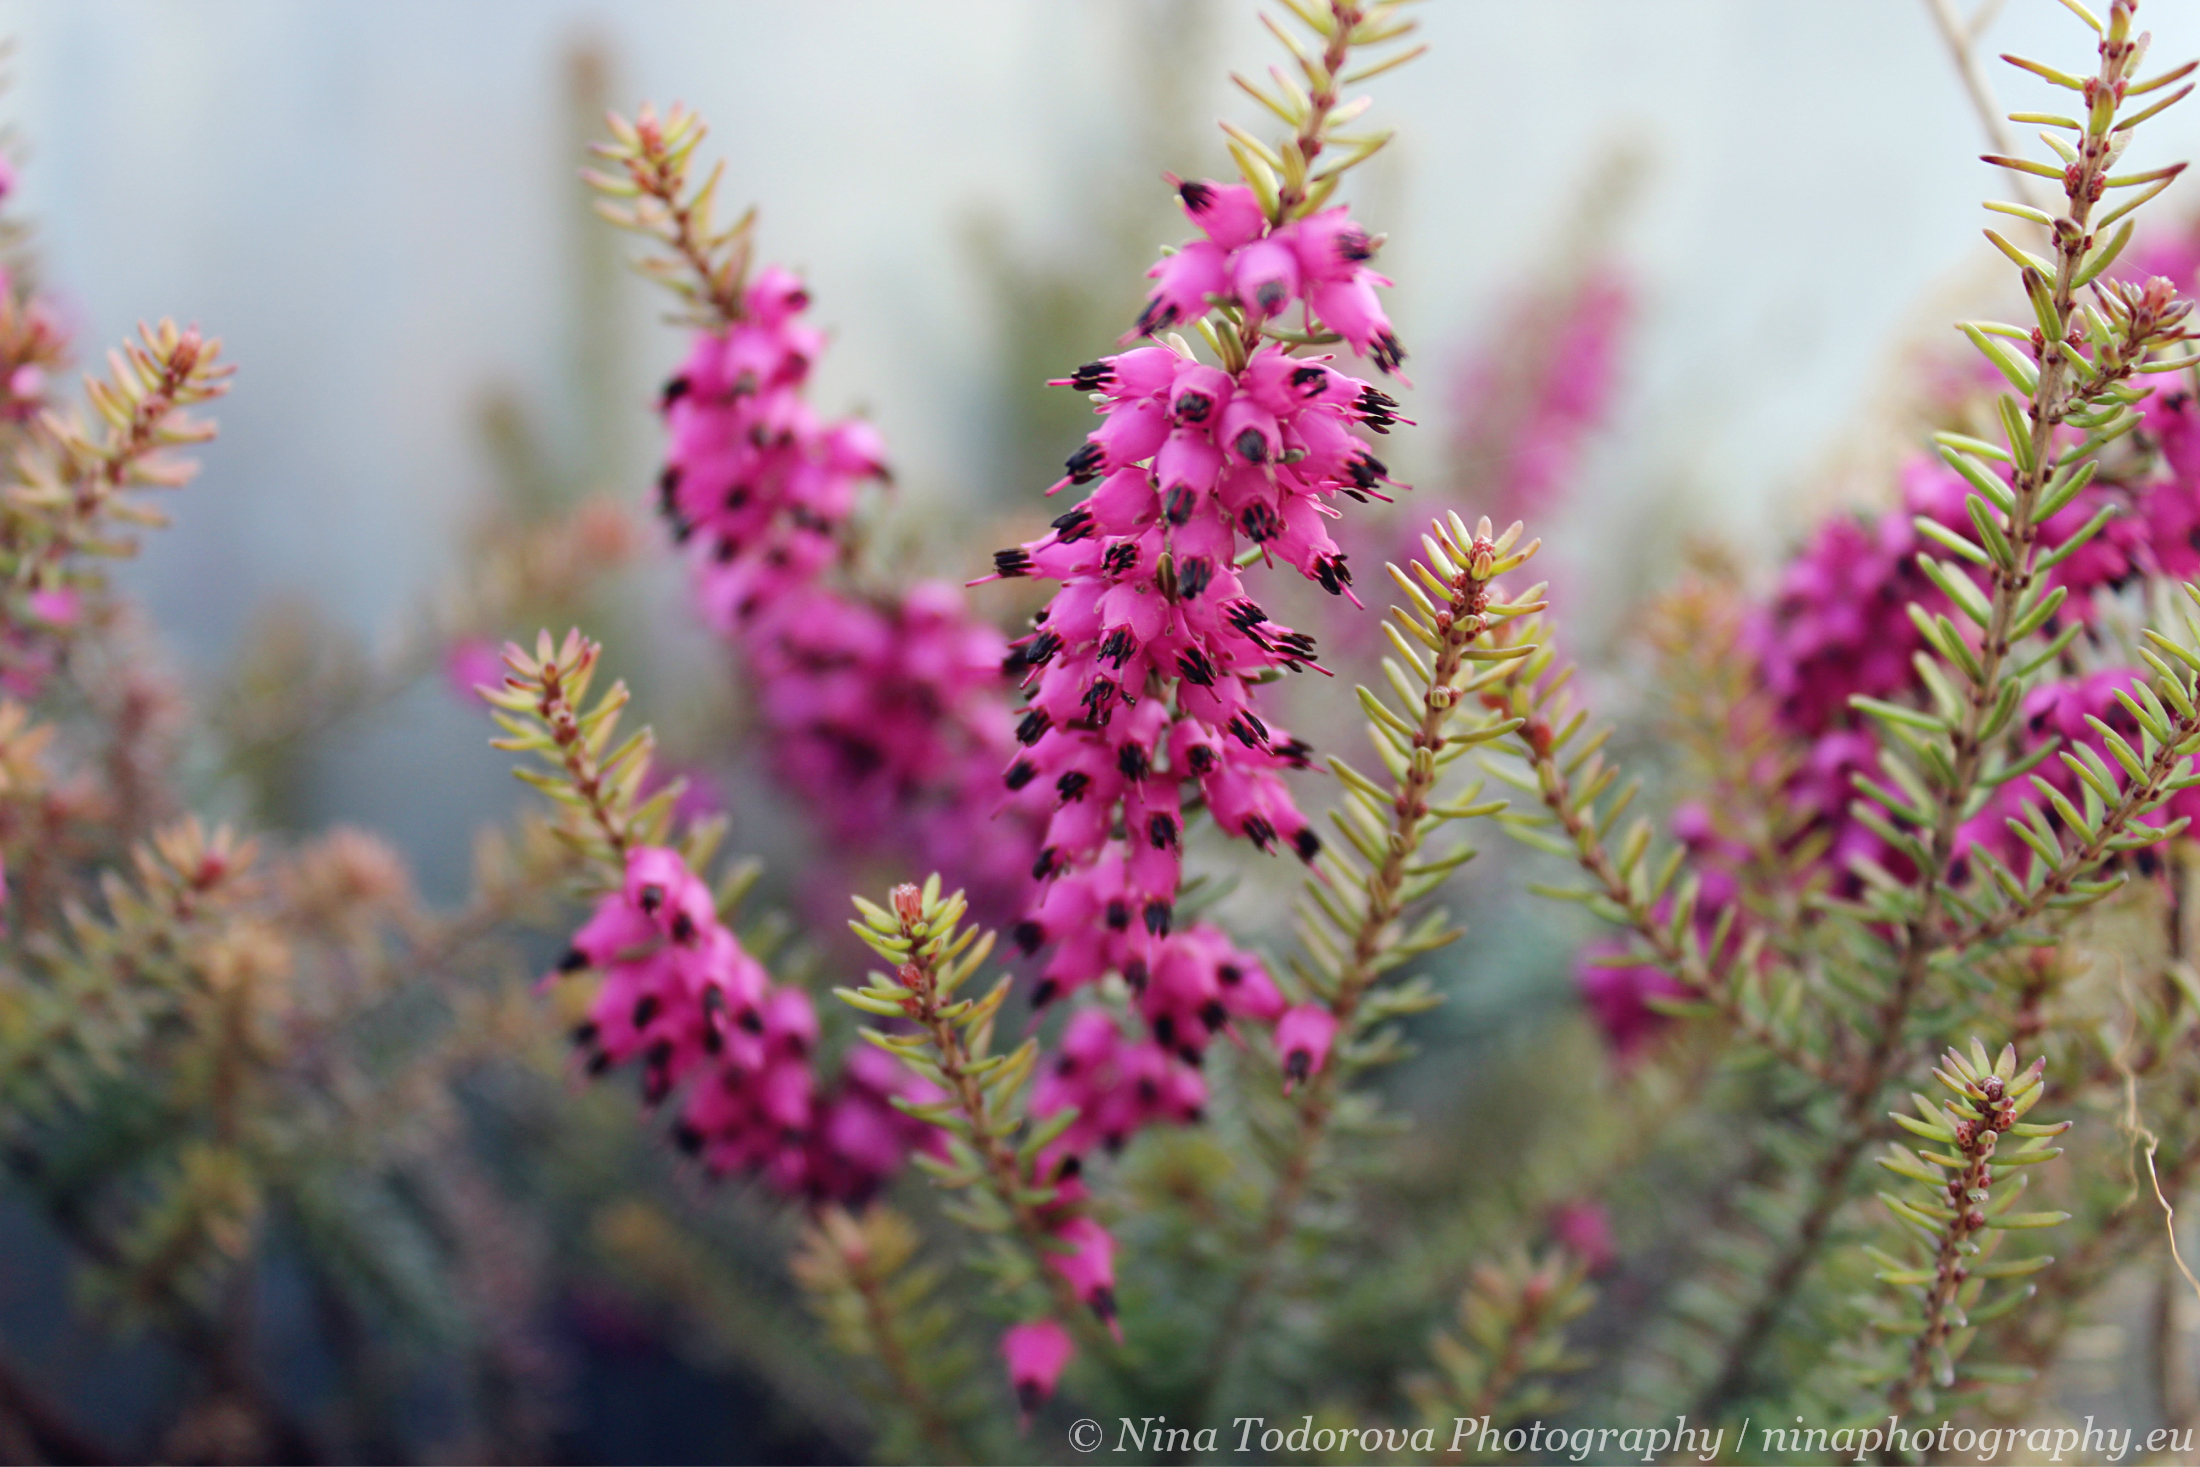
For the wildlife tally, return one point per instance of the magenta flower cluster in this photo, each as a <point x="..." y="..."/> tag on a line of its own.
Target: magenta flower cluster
<point x="1142" y="670"/>
<point x="1263" y="269"/>
<point x="888" y="714"/>
<point x="1837" y="627"/>
<point x="1141" y="677"/>
<point x="701" y="1016"/>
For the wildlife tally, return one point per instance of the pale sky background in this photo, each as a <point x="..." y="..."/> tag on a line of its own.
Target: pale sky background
<point x="372" y="204"/>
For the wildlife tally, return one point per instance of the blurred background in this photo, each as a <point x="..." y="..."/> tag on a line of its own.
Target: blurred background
<point x="376" y="207"/>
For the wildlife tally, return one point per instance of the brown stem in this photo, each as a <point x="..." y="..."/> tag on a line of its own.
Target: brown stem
<point x="1948" y="1276"/>
<point x="1504" y="1373"/>
<point x="1829" y="1186"/>
<point x="1321" y="100"/>
<point x="138" y="438"/>
<point x="558" y="713"/>
<point x="1004" y="1176"/>
<point x="1345" y="18"/>
<point x="1682" y="961"/>
<point x="663" y="178"/>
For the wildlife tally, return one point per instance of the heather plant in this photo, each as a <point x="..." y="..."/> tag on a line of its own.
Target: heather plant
<point x="1066" y="1126"/>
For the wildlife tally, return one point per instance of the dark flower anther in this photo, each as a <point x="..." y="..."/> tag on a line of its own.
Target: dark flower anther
<point x="1194" y="407"/>
<point x="1376" y="408"/>
<point x="1333" y="573"/>
<point x="1118" y="647"/>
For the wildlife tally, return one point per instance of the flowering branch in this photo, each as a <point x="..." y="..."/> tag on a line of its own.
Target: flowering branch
<point x="116" y="979"/>
<point x="1313" y="112"/>
<point x="2110" y="821"/>
<point x="982" y="1113"/>
<point x="1950" y="760"/>
<point x="1450" y="614"/>
<point x="705" y="265"/>
<point x="1288" y="187"/>
<point x="1719" y="971"/>
<point x="544" y="709"/>
<point x="2064" y="386"/>
<point x="1947" y="1284"/>
<point x="73" y="480"/>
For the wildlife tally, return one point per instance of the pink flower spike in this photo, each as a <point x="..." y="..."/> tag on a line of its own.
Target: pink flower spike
<point x="1036" y="1351"/>
<point x="1303" y="1036"/>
